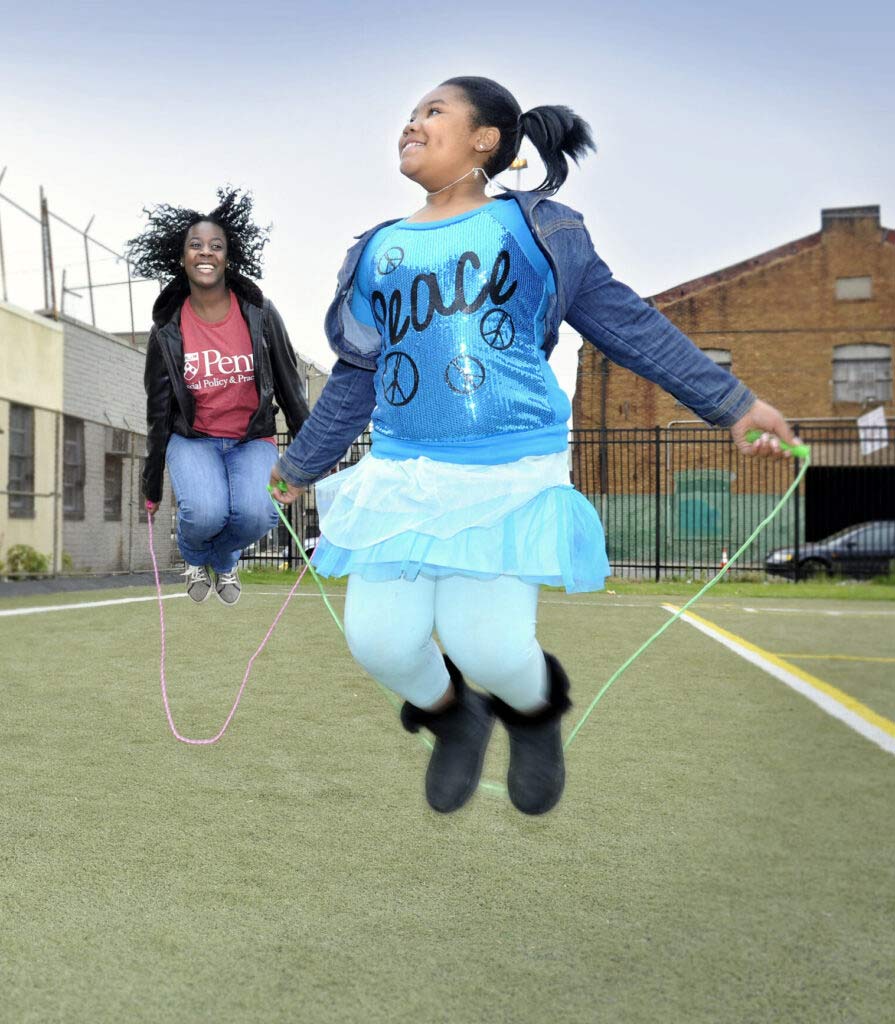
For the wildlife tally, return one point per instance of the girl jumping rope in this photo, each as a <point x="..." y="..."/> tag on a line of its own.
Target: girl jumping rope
<point x="218" y="354"/>
<point x="443" y="323"/>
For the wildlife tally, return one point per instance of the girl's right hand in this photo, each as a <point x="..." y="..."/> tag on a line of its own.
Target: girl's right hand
<point x="152" y="506"/>
<point x="287" y="496"/>
<point x="770" y="422"/>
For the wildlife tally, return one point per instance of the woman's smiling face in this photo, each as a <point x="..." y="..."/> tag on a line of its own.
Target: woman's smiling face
<point x="439" y="143"/>
<point x="205" y="254"/>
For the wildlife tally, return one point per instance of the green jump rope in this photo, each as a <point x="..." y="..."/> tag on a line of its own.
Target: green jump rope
<point x="800" y="451"/>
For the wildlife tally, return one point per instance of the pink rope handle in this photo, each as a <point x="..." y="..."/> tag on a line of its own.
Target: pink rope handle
<point x="248" y="671"/>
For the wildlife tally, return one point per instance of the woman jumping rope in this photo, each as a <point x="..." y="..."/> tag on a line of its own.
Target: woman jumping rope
<point x="218" y="354"/>
<point x="443" y="323"/>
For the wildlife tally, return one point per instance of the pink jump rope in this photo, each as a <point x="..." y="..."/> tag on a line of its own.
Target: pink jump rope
<point x="248" y="671"/>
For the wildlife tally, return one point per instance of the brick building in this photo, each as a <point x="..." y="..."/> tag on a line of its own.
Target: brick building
<point x="809" y="326"/>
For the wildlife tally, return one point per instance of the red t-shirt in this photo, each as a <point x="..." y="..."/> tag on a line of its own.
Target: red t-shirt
<point x="219" y="369"/>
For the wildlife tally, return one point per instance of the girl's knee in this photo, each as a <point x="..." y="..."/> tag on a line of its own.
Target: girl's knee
<point x="491" y="668"/>
<point x="382" y="651"/>
<point x="489" y="663"/>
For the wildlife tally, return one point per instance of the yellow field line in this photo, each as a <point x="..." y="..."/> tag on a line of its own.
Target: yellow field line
<point x="840" y="657"/>
<point x="831" y="699"/>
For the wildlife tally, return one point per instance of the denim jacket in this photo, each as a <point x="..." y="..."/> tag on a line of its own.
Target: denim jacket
<point x="604" y="311"/>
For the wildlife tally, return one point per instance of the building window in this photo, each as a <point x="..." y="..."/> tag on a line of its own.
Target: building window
<point x="862" y="373"/>
<point x="720" y="357"/>
<point x="117" y="441"/>
<point x="853" y="289"/>
<point x="112" y="499"/>
<point x="73" y="469"/>
<point x="21" y="462"/>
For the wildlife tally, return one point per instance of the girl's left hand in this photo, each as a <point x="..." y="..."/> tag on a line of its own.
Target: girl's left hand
<point x="773" y="427"/>
<point x="284" y="497"/>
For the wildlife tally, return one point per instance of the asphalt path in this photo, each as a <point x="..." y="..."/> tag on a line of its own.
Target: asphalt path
<point x="69" y="584"/>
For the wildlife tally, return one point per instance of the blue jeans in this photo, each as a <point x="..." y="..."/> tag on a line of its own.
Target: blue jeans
<point x="222" y="500"/>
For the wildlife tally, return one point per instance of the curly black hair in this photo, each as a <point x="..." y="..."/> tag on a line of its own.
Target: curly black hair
<point x="157" y="252"/>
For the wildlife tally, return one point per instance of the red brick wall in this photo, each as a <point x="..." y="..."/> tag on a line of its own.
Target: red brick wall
<point x="780" y="319"/>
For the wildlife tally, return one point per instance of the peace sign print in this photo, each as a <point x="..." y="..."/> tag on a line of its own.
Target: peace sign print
<point x="465" y="374"/>
<point x="390" y="260"/>
<point x="497" y="329"/>
<point x="400" y="378"/>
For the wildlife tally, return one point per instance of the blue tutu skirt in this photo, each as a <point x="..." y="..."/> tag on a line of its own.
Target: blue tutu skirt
<point x="385" y="519"/>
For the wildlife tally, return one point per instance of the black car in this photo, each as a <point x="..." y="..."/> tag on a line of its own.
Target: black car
<point x="866" y="549"/>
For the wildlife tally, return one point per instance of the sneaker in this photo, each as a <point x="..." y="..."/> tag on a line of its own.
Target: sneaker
<point x="227" y="586"/>
<point x="198" y="583"/>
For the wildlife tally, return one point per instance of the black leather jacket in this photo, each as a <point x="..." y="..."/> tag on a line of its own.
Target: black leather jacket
<point x="170" y="406"/>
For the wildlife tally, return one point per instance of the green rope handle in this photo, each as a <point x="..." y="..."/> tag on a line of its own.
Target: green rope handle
<point x="800" y="451"/>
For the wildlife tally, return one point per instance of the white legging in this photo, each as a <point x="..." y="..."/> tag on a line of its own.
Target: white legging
<point x="486" y="627"/>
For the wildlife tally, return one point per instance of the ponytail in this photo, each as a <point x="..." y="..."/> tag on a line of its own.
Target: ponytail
<point x="556" y="132"/>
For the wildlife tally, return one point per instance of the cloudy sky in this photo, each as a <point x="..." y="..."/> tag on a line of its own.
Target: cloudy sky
<point x="723" y="128"/>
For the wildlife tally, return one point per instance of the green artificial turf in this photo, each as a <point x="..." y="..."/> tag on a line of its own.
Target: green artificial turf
<point x="839" y="589"/>
<point x="723" y="851"/>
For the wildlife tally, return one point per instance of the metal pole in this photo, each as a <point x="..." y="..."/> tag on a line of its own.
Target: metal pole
<point x="43" y="249"/>
<point x="49" y="275"/>
<point x="658" y="469"/>
<point x="796" y="507"/>
<point x="130" y="299"/>
<point x="89" y="276"/>
<point x="2" y="257"/>
<point x="57" y="497"/>
<point x="131" y="503"/>
<point x="604" y="388"/>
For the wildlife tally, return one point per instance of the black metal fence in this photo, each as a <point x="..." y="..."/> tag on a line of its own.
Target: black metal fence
<point x="679" y="501"/>
<point x="277" y="549"/>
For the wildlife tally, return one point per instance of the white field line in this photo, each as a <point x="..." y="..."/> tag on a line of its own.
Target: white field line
<point x="607" y="603"/>
<point x="820" y="611"/>
<point x="599" y="604"/>
<point x="41" y="609"/>
<point x="835" y="702"/>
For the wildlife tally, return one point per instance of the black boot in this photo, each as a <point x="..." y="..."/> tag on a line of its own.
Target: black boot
<point x="537" y="772"/>
<point x="461" y="734"/>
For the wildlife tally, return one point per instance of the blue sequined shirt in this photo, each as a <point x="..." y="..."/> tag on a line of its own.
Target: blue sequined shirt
<point x="459" y="305"/>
